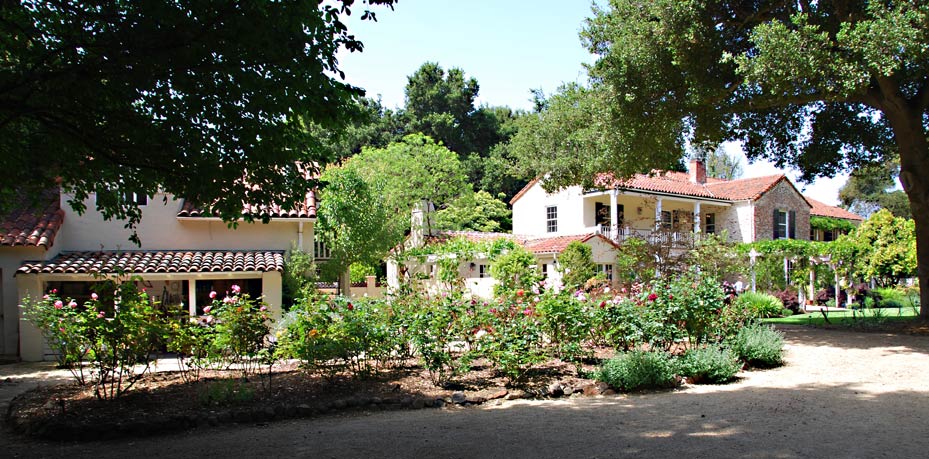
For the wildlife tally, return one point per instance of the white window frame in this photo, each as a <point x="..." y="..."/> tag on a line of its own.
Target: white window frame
<point x="551" y="219"/>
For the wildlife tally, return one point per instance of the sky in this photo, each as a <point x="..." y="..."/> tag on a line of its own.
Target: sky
<point x="510" y="47"/>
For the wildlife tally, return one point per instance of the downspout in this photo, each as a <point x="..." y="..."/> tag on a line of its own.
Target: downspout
<point x="300" y="235"/>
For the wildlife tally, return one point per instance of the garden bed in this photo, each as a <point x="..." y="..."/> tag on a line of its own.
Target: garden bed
<point x="163" y="402"/>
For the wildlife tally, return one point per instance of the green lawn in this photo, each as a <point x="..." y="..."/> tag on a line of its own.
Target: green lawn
<point x="848" y="317"/>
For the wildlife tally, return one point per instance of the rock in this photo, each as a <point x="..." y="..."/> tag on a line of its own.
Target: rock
<point x="477" y="400"/>
<point x="439" y="402"/>
<point x="459" y="398"/>
<point x="269" y="413"/>
<point x="376" y="401"/>
<point x="609" y="392"/>
<point x="406" y="402"/>
<point x="515" y="395"/>
<point x="304" y="410"/>
<point x="554" y="390"/>
<point x="591" y="389"/>
<point x="429" y="402"/>
<point x="418" y="404"/>
<point x="498" y="394"/>
<point x="568" y="391"/>
<point x="339" y="404"/>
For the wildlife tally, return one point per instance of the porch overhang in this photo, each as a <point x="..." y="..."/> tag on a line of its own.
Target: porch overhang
<point x="659" y="194"/>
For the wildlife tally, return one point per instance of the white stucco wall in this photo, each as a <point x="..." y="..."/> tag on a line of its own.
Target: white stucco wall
<point x="529" y="211"/>
<point x="11" y="258"/>
<point x="160" y="229"/>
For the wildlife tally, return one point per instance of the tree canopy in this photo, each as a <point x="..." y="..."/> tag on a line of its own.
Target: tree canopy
<point x="206" y="100"/>
<point x="870" y="188"/>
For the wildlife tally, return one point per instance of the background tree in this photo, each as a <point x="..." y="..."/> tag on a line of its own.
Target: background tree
<point x="820" y="86"/>
<point x="354" y="222"/>
<point x="576" y="264"/>
<point x="890" y="244"/>
<point x="870" y="188"/>
<point x="206" y="100"/>
<point x="476" y="212"/>
<point x="720" y="164"/>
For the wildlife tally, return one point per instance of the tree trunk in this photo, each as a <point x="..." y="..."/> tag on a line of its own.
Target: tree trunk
<point x="345" y="284"/>
<point x="914" y="175"/>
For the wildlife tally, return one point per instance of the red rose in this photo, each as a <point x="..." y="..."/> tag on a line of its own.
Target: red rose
<point x="652" y="297"/>
<point x="350" y="307"/>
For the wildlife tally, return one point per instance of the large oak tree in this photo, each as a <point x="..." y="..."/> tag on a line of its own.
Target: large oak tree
<point x="206" y="99"/>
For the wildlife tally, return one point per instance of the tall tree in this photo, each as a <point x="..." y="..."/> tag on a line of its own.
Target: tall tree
<point x="721" y="165"/>
<point x="440" y="105"/>
<point x="820" y="86"/>
<point x="202" y="99"/>
<point x="354" y="222"/>
<point x="870" y="188"/>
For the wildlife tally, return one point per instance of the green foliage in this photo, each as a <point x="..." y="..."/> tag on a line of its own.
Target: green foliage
<point x="831" y="224"/>
<point x="576" y="265"/>
<point x="476" y="212"/>
<point x="220" y="123"/>
<point x="101" y="344"/>
<point x="240" y="325"/>
<point x="686" y="306"/>
<point x="716" y="257"/>
<point x="515" y="342"/>
<point x="722" y="165"/>
<point x="566" y="323"/>
<point x="299" y="274"/>
<point x="225" y="392"/>
<point x="329" y="336"/>
<point x="359" y="272"/>
<point x="353" y="220"/>
<point x="516" y="270"/>
<point x="638" y="370"/>
<point x="759" y="305"/>
<point x="713" y="364"/>
<point x="759" y="345"/>
<point x="891" y="243"/>
<point x="890" y="298"/>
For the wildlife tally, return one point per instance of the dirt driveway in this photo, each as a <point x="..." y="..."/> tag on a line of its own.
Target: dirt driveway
<point x="842" y="394"/>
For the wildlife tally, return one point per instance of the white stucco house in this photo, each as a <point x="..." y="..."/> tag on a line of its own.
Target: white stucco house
<point x="673" y="208"/>
<point x="185" y="253"/>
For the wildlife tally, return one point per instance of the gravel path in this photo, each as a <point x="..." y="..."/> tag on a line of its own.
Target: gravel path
<point x="842" y="394"/>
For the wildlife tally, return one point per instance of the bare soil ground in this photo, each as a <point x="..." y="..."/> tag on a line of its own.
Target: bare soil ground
<point x="842" y="394"/>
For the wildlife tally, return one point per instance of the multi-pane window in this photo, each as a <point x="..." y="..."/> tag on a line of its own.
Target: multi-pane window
<point x="607" y="271"/>
<point x="320" y="250"/>
<point x="551" y="219"/>
<point x="666" y="219"/>
<point x="711" y="223"/>
<point x="785" y="224"/>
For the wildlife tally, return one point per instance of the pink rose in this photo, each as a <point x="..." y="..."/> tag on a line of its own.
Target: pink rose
<point x="212" y="295"/>
<point x="72" y="304"/>
<point x="94" y="296"/>
<point x="527" y="312"/>
<point x="101" y="315"/>
<point x="62" y="329"/>
<point x="228" y="300"/>
<point x="207" y="309"/>
<point x="44" y="297"/>
<point x="235" y="288"/>
<point x="263" y="308"/>
<point x="54" y="290"/>
<point x="59" y="304"/>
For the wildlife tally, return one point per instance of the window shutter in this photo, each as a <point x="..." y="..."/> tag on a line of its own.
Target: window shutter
<point x="777" y="234"/>
<point x="793" y="224"/>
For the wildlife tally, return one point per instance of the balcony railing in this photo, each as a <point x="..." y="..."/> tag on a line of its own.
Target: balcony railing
<point x="662" y="236"/>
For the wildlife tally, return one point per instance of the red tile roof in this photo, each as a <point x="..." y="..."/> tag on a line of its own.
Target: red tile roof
<point x="157" y="261"/>
<point x="307" y="209"/>
<point x="33" y="226"/>
<point x="821" y="209"/>
<point x="557" y="244"/>
<point x="679" y="183"/>
<point x="553" y="244"/>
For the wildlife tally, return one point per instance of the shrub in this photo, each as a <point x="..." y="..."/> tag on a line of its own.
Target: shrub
<point x="620" y="323"/>
<point x="110" y="340"/>
<point x="712" y="364"/>
<point x="759" y="345"/>
<point x="638" y="370"/>
<point x="514" y="341"/>
<point x="789" y="298"/>
<point x="576" y="265"/>
<point x="241" y="325"/>
<point x="890" y="298"/>
<point x="760" y="305"/>
<point x="566" y="323"/>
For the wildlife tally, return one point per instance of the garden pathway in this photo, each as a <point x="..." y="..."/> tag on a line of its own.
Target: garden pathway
<point x="841" y="394"/>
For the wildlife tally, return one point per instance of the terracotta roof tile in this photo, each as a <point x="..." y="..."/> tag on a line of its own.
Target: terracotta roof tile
<point x="557" y="244"/>
<point x="825" y="210"/>
<point x="306" y="210"/>
<point x="157" y="261"/>
<point x="33" y="226"/>
<point x="473" y="236"/>
<point x="744" y="189"/>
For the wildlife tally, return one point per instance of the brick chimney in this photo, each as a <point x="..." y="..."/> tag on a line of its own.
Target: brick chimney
<point x="697" y="171"/>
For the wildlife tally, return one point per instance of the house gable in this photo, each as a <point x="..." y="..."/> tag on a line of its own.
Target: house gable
<point x="783" y="196"/>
